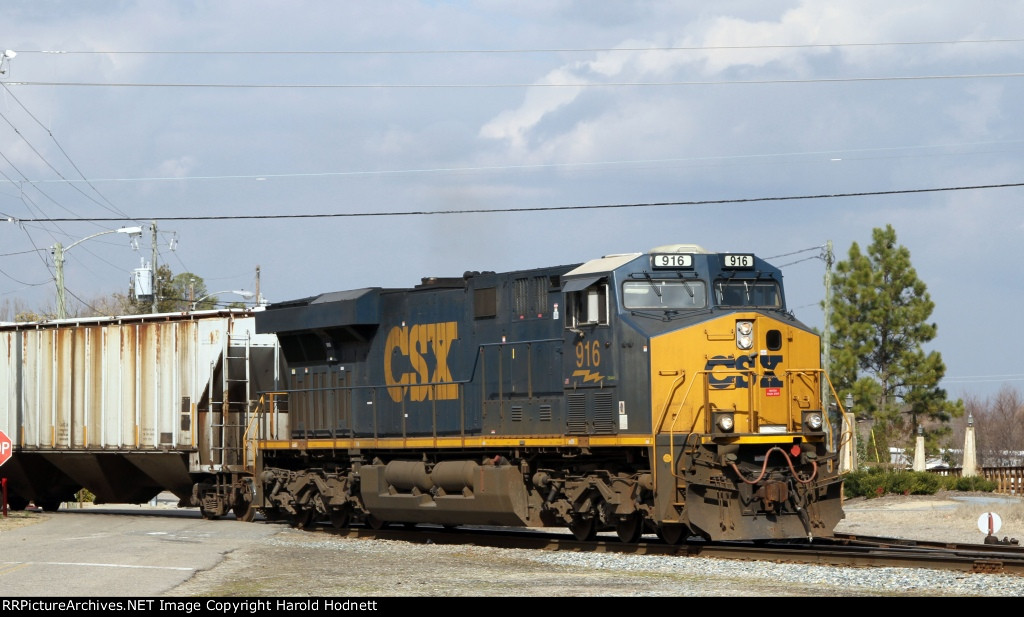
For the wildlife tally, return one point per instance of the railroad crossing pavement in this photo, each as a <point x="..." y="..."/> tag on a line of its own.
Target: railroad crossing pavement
<point x="118" y="550"/>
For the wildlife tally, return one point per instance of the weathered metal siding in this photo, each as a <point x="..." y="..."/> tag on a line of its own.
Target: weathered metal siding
<point x="125" y="407"/>
<point x="9" y="384"/>
<point x="110" y="386"/>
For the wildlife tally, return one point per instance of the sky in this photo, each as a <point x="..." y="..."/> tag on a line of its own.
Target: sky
<point x="336" y="145"/>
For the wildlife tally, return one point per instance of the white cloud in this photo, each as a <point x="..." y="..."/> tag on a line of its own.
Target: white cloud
<point x="181" y="167"/>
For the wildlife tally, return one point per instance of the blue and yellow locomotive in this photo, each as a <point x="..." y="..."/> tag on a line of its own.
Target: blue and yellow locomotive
<point x="669" y="392"/>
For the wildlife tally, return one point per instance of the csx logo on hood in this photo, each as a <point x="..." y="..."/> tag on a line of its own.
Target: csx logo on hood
<point x="418" y="354"/>
<point x="733" y="372"/>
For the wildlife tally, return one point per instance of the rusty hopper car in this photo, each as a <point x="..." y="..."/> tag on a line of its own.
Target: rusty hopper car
<point x="129" y="407"/>
<point x="669" y="391"/>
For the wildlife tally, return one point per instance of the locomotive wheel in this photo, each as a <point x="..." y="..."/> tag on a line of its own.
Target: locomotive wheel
<point x="375" y="523"/>
<point x="302" y="520"/>
<point x="244" y="512"/>
<point x="340" y="518"/>
<point x="583" y="528"/>
<point x="630" y="529"/>
<point x="672" y="533"/>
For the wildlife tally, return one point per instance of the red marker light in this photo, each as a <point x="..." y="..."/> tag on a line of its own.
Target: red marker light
<point x="795" y="450"/>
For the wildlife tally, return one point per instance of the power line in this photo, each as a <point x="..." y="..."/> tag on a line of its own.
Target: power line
<point x="798" y="261"/>
<point x="539" y="208"/>
<point x="797" y="252"/>
<point x="22" y="252"/>
<point x="108" y="206"/>
<point x="25" y="283"/>
<point x="982" y="379"/>
<point x="541" y="166"/>
<point x="396" y="52"/>
<point x="607" y="84"/>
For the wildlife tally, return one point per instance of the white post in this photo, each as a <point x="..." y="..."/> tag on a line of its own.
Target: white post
<point x="919" y="464"/>
<point x="970" y="466"/>
<point x="848" y="439"/>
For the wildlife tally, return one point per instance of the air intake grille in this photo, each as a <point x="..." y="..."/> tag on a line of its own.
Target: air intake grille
<point x="604" y="418"/>
<point x="577" y="420"/>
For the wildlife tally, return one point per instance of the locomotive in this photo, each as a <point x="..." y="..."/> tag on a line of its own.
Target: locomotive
<point x="668" y="391"/>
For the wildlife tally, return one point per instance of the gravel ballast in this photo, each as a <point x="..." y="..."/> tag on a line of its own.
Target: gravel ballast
<point x="297" y="563"/>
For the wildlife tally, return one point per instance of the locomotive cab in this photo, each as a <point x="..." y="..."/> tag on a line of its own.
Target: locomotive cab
<point x="703" y="355"/>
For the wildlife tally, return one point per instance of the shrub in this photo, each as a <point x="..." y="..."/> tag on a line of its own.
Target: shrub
<point x="84" y="496"/>
<point x="875" y="483"/>
<point x="972" y="483"/>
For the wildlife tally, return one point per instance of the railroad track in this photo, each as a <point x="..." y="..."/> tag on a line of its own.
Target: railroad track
<point x="842" y="550"/>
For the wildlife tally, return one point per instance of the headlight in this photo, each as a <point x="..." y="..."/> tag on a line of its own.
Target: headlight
<point x="744" y="334"/>
<point x="812" y="421"/>
<point x="724" y="421"/>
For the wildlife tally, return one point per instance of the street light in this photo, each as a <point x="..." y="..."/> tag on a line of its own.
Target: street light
<point x="7" y="56"/>
<point x="58" y="261"/>
<point x="238" y="292"/>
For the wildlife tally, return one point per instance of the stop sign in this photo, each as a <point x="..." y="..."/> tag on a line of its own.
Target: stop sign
<point x="6" y="448"/>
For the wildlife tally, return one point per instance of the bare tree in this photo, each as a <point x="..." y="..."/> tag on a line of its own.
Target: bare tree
<point x="18" y="310"/>
<point x="998" y="428"/>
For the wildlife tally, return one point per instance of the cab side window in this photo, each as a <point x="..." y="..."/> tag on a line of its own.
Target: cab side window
<point x="587" y="306"/>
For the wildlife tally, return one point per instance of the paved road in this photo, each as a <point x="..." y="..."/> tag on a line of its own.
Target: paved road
<point x="117" y="551"/>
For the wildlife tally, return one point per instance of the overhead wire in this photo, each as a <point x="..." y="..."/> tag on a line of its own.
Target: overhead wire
<point x="631" y="84"/>
<point x="518" y="51"/>
<point x="108" y="205"/>
<point x="742" y="200"/>
<point x="797" y="252"/>
<point x="799" y="261"/>
<point x="427" y="52"/>
<point x="105" y="204"/>
<point x="983" y="378"/>
<point x="541" y="166"/>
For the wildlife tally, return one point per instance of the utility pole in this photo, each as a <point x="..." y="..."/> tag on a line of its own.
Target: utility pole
<point x="58" y="261"/>
<point x="156" y="279"/>
<point x="59" y="251"/>
<point x="259" y="298"/>
<point x="827" y="332"/>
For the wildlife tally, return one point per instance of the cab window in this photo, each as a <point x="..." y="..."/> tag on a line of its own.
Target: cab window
<point x="671" y="294"/>
<point x="588" y="305"/>
<point x="740" y="292"/>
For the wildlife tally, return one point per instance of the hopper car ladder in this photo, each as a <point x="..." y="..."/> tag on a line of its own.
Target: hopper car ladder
<point x="230" y="414"/>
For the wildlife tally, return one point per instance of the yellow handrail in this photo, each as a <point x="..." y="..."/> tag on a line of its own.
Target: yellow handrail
<point x="249" y="453"/>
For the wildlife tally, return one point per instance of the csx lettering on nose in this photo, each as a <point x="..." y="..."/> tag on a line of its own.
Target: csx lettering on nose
<point x="734" y="369"/>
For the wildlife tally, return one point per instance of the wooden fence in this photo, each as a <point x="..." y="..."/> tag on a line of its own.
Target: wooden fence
<point x="1009" y="480"/>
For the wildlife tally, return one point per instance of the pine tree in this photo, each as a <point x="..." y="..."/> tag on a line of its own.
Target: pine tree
<point x="879" y="322"/>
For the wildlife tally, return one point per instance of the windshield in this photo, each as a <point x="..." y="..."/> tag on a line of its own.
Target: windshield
<point x="664" y="294"/>
<point x="738" y="292"/>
